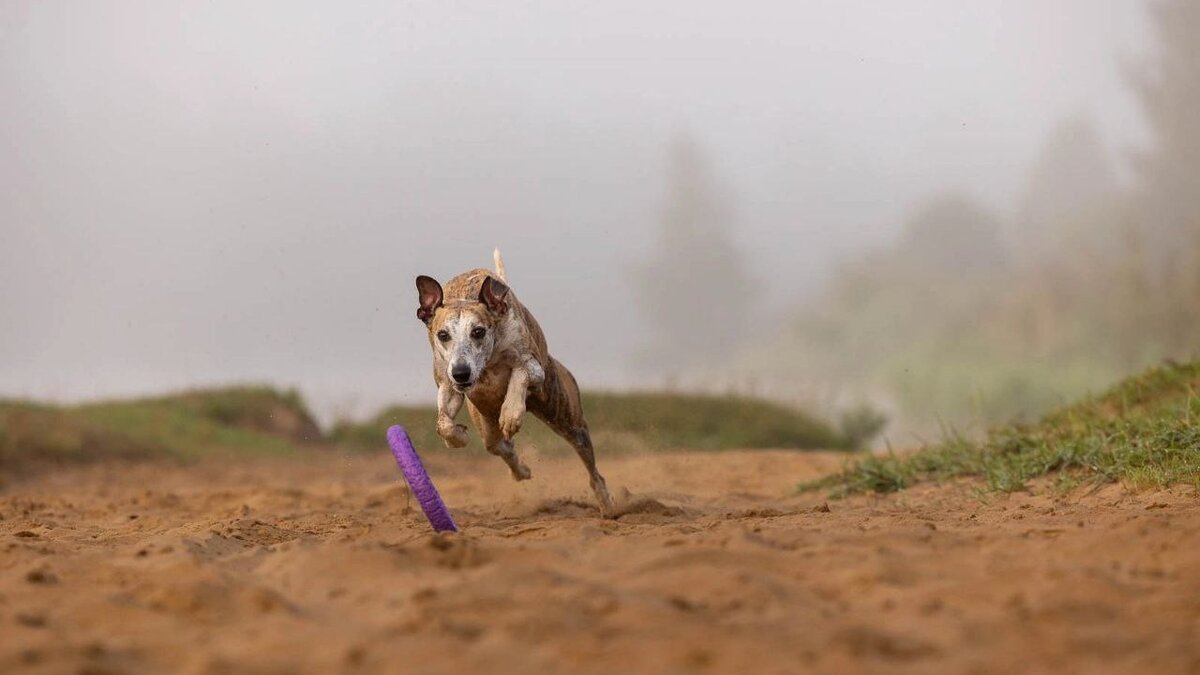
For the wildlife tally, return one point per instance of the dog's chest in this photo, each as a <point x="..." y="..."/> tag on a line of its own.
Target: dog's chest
<point x="491" y="388"/>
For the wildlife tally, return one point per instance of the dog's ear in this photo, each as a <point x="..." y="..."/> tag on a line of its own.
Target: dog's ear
<point x="429" y="293"/>
<point x="493" y="294"/>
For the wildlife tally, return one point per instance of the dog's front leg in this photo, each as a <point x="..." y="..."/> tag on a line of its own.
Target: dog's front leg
<point x="449" y="403"/>
<point x="513" y="409"/>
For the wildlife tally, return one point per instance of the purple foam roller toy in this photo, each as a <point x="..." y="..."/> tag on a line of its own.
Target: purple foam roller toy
<point x="418" y="480"/>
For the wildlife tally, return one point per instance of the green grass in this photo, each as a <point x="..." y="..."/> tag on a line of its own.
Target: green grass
<point x="1144" y="432"/>
<point x="640" y="422"/>
<point x="236" y="420"/>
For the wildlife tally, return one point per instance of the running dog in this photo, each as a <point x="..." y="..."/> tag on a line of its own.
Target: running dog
<point x="490" y="352"/>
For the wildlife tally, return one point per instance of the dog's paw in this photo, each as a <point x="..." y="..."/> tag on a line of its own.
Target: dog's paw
<point x="455" y="435"/>
<point x="607" y="508"/>
<point x="521" y="472"/>
<point x="510" y="420"/>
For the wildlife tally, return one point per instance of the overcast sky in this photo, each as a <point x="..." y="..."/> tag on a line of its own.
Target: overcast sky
<point x="194" y="193"/>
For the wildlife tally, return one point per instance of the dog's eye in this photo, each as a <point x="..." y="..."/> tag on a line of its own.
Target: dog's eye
<point x="478" y="332"/>
<point x="444" y="336"/>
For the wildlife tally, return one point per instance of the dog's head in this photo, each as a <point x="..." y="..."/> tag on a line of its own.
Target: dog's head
<point x="462" y="332"/>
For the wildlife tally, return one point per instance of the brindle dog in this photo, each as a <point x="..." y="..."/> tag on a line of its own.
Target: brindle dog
<point x="489" y="351"/>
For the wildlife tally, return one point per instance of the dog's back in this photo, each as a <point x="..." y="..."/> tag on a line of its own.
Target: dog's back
<point x="466" y="286"/>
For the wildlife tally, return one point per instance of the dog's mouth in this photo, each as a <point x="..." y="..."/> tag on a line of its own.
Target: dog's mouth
<point x="463" y="388"/>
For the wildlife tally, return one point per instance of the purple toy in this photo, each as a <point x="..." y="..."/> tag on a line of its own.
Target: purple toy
<point x="418" y="480"/>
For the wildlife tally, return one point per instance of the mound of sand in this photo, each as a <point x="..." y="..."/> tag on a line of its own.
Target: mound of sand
<point x="714" y="566"/>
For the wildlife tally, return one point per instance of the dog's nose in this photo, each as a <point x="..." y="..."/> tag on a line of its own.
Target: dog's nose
<point x="461" y="374"/>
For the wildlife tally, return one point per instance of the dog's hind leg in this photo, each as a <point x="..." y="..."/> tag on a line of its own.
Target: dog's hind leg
<point x="562" y="410"/>
<point x="494" y="441"/>
<point x="581" y="439"/>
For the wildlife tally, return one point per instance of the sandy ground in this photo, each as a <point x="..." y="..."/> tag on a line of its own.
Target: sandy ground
<point x="326" y="565"/>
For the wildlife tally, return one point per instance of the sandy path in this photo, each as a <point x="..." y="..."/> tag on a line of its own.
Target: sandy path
<point x="324" y="566"/>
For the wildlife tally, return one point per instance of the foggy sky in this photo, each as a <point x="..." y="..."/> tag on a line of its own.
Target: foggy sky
<point x="197" y="193"/>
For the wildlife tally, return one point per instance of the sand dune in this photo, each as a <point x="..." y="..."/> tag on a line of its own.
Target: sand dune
<point x="325" y="565"/>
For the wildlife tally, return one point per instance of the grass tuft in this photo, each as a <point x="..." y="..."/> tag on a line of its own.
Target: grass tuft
<point x="1143" y="432"/>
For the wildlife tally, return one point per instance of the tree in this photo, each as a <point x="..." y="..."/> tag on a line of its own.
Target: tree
<point x="1071" y="176"/>
<point x="693" y="290"/>
<point x="952" y="235"/>
<point x="1168" y="190"/>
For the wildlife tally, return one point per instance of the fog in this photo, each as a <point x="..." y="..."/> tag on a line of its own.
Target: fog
<point x="219" y="192"/>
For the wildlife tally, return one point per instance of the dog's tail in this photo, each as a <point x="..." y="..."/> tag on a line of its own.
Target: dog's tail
<point x="499" y="265"/>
